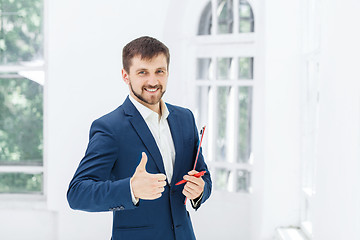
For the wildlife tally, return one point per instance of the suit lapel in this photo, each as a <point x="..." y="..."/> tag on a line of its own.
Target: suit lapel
<point x="144" y="133"/>
<point x="177" y="136"/>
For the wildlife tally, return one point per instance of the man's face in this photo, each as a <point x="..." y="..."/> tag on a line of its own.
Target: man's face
<point x="147" y="79"/>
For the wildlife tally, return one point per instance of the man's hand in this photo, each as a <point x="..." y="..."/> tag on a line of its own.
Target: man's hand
<point x="145" y="185"/>
<point x="194" y="186"/>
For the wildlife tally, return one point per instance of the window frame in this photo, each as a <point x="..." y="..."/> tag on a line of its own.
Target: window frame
<point x="26" y="200"/>
<point x="216" y="46"/>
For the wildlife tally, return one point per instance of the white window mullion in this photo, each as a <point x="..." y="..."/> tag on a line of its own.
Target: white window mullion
<point x="212" y="123"/>
<point x="237" y="166"/>
<point x="230" y="130"/>
<point x="236" y="121"/>
<point x="243" y="82"/>
<point x="232" y="181"/>
<point x="18" y="68"/>
<point x="23" y="169"/>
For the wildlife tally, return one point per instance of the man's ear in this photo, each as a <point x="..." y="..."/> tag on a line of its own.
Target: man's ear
<point x="125" y="76"/>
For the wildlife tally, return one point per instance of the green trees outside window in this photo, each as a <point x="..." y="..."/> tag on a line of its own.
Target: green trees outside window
<point x="21" y="38"/>
<point x="21" y="122"/>
<point x="21" y="99"/>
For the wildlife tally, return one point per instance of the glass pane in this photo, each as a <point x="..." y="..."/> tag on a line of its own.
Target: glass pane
<point x="202" y="105"/>
<point x="246" y="17"/>
<point x="204" y="69"/>
<point x="225" y="16"/>
<point x="21" y="35"/>
<point x="202" y="113"/>
<point x="242" y="181"/>
<point x="21" y="122"/>
<point x="246" y="67"/>
<point x="205" y="25"/>
<point x="221" y="179"/>
<point x="222" y="110"/>
<point x="21" y="183"/>
<point x="224" y="69"/>
<point x="245" y="26"/>
<point x="244" y="127"/>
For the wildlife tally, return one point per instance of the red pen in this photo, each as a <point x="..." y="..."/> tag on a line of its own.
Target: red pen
<point x="199" y="174"/>
<point x="197" y="155"/>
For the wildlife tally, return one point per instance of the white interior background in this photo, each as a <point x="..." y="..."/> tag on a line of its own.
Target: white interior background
<point x="84" y="40"/>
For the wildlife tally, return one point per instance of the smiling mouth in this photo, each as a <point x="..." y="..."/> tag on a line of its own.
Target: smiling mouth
<point x="151" y="90"/>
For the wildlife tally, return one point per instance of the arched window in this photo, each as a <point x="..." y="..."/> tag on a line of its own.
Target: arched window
<point x="225" y="83"/>
<point x="205" y="21"/>
<point x="225" y="16"/>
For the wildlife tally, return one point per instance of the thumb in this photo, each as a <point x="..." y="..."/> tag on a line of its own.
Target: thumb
<point x="142" y="164"/>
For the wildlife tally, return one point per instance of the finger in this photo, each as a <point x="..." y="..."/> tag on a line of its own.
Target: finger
<point x="194" y="191"/>
<point x="193" y="172"/>
<point x="159" y="176"/>
<point x="192" y="187"/>
<point x="155" y="196"/>
<point x="161" y="184"/>
<point x="188" y="194"/>
<point x="152" y="196"/>
<point x="196" y="180"/>
<point x="142" y="164"/>
<point x="156" y="185"/>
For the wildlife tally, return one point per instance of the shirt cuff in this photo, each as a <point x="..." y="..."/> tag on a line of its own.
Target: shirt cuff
<point x="197" y="201"/>
<point x="135" y="202"/>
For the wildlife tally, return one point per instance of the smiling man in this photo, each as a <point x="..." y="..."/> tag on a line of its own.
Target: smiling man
<point x="139" y="151"/>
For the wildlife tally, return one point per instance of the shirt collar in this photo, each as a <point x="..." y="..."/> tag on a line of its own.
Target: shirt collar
<point x="147" y="113"/>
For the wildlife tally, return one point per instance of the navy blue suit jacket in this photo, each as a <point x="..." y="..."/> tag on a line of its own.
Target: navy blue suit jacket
<point x="102" y="180"/>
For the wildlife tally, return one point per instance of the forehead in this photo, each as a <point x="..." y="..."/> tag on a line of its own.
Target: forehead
<point x="158" y="61"/>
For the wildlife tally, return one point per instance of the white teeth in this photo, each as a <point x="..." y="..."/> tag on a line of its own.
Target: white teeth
<point x="151" y="90"/>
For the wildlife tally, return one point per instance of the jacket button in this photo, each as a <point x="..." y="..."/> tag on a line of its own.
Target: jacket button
<point x="121" y="207"/>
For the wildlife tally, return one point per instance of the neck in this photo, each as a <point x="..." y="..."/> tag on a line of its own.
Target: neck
<point x="154" y="107"/>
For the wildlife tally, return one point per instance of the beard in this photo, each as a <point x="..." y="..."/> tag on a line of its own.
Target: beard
<point x="151" y="100"/>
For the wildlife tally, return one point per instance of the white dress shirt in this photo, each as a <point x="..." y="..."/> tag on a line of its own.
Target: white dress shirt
<point x="159" y="128"/>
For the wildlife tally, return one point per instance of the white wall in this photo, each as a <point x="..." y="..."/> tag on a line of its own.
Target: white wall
<point x="282" y="128"/>
<point x="26" y="219"/>
<point x="84" y="82"/>
<point x="337" y="199"/>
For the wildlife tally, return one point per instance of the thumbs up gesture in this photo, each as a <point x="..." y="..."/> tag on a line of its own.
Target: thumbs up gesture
<point x="145" y="185"/>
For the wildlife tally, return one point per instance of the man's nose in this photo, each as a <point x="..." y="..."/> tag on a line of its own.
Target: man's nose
<point x="152" y="80"/>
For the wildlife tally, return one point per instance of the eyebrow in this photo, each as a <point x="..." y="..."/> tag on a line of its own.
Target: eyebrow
<point x="146" y="69"/>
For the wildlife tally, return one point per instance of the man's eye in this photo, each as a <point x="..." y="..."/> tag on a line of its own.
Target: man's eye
<point x="142" y="72"/>
<point x="160" y="71"/>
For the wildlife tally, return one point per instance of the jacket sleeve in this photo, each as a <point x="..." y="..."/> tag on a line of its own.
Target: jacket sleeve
<point x="92" y="188"/>
<point x="201" y="166"/>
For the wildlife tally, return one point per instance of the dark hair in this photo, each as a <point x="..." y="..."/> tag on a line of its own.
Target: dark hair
<point x="145" y="47"/>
